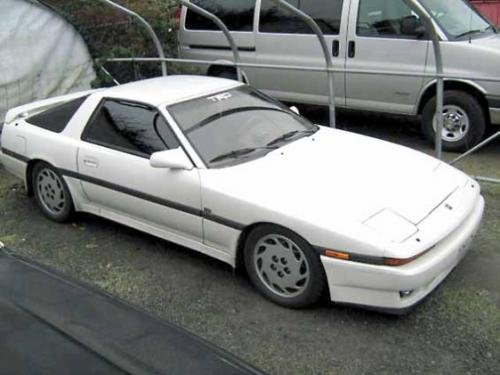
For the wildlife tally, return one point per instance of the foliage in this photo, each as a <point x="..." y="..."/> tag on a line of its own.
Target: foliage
<point x="110" y="33"/>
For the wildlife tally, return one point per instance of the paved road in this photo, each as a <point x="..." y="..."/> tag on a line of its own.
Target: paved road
<point x="456" y="330"/>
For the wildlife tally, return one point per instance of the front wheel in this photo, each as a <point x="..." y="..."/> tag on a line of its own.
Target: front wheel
<point x="283" y="266"/>
<point x="464" y="121"/>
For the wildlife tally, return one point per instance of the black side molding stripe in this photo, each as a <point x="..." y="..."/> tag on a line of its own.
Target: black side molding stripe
<point x="153" y="199"/>
<point x="221" y="48"/>
<point x="15" y="155"/>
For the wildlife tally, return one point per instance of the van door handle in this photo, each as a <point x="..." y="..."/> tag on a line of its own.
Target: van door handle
<point x="351" y="51"/>
<point x="335" y="48"/>
<point x="92" y="163"/>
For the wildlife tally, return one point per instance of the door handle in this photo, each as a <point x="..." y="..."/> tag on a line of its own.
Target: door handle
<point x="90" y="163"/>
<point x="335" y="48"/>
<point x="351" y="51"/>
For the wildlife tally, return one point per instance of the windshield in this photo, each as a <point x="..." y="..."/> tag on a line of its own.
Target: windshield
<point x="457" y="18"/>
<point x="238" y="125"/>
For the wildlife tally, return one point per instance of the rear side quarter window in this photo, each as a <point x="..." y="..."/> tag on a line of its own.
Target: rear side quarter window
<point x="56" y="118"/>
<point x="237" y="15"/>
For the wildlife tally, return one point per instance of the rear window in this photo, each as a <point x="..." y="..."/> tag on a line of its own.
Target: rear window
<point x="56" y="118"/>
<point x="237" y="15"/>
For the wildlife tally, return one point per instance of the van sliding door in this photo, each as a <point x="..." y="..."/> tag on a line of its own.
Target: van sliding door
<point x="283" y="39"/>
<point x="200" y="38"/>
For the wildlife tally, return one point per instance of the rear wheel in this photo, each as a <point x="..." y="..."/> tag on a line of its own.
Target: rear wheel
<point x="283" y="266"/>
<point x="464" y="121"/>
<point x="51" y="193"/>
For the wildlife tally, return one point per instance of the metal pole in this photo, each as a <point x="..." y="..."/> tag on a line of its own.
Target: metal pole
<point x="149" y="29"/>
<point x="301" y="68"/>
<point x="475" y="148"/>
<point x="326" y="52"/>
<point x="487" y="179"/>
<point x="202" y="12"/>
<point x="431" y="28"/>
<point x="109" y="75"/>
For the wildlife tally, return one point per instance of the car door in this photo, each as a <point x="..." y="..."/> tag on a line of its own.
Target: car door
<point x="284" y="39"/>
<point x="113" y="164"/>
<point x="378" y="41"/>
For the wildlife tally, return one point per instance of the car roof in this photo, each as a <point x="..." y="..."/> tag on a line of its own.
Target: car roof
<point x="169" y="90"/>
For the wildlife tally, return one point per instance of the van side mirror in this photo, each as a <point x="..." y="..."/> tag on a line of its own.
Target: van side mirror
<point x="172" y="159"/>
<point x="412" y="26"/>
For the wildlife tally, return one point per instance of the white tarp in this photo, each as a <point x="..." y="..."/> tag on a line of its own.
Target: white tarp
<point x="41" y="55"/>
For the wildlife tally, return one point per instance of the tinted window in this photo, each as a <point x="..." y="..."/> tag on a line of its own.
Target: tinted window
<point x="129" y="127"/>
<point x="237" y="15"/>
<point x="327" y="14"/>
<point x="383" y="18"/>
<point x="56" y="118"/>
<point x="236" y="120"/>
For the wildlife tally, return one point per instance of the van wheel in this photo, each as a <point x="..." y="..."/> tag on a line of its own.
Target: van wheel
<point x="464" y="122"/>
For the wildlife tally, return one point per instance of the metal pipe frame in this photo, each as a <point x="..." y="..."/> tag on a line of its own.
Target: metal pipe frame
<point x="149" y="29"/>
<point x="414" y="4"/>
<point x="477" y="147"/>
<point x="438" y="56"/>
<point x="326" y="52"/>
<point x="298" y="67"/>
<point x="236" y="54"/>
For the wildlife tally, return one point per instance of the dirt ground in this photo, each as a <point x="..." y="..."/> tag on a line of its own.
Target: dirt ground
<point x="456" y="330"/>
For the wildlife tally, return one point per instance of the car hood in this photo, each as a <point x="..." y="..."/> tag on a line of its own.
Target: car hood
<point x="332" y="176"/>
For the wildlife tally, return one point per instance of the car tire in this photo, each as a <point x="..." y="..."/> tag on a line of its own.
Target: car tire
<point x="51" y="193"/>
<point x="283" y="266"/>
<point x="465" y="121"/>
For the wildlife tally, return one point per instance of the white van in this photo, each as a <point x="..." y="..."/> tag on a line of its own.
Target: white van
<point x="362" y="34"/>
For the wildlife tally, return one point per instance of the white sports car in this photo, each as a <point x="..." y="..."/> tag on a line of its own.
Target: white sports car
<point x="216" y="166"/>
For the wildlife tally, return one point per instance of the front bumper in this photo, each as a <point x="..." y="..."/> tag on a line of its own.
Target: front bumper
<point x="380" y="286"/>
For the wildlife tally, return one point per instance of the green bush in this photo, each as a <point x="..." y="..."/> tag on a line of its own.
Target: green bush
<point x="111" y="33"/>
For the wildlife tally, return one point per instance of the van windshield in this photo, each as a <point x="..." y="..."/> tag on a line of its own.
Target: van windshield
<point x="458" y="19"/>
<point x="238" y="125"/>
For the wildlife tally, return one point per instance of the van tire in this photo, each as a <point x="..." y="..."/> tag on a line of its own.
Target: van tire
<point x="227" y="74"/>
<point x="465" y="121"/>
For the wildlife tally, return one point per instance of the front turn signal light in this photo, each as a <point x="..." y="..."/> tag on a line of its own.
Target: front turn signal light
<point x="337" y="254"/>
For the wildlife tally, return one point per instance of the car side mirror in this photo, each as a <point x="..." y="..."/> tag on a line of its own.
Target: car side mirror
<point x="412" y="26"/>
<point x="172" y="159"/>
<point x="295" y="110"/>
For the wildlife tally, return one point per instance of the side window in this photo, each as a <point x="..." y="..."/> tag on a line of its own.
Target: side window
<point x="56" y="118"/>
<point x="384" y="18"/>
<point x="327" y="14"/>
<point x="237" y="15"/>
<point x="129" y="127"/>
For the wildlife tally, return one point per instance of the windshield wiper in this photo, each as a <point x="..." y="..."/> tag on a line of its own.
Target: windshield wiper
<point x="289" y="135"/>
<point x="235" y="154"/>
<point x="470" y="32"/>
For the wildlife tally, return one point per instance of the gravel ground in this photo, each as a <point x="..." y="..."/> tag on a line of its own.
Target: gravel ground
<point x="456" y="330"/>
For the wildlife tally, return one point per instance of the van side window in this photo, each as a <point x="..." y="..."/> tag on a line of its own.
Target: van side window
<point x="327" y="14"/>
<point x="383" y="18"/>
<point x="237" y="15"/>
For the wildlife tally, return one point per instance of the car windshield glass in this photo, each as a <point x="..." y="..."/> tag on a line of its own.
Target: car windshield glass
<point x="457" y="18"/>
<point x="238" y="125"/>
